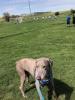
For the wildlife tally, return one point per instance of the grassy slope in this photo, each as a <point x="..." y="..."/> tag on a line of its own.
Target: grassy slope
<point x="36" y="39"/>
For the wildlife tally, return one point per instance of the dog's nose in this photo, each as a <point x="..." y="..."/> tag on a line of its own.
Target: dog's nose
<point x="38" y="78"/>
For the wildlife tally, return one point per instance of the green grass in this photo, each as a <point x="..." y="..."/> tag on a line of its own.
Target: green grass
<point x="50" y="38"/>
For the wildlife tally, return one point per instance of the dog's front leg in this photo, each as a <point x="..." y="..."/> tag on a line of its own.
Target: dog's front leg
<point x="51" y="88"/>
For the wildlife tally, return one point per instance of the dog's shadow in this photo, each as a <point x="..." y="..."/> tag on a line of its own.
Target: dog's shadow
<point x="62" y="88"/>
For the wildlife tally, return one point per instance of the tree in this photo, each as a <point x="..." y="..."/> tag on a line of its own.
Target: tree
<point x="6" y="16"/>
<point x="57" y="13"/>
<point x="72" y="11"/>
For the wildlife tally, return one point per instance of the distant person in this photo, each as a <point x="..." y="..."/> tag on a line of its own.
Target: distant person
<point x="68" y="19"/>
<point x="74" y="19"/>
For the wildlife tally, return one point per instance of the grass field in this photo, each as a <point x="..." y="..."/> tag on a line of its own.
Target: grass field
<point x="50" y="38"/>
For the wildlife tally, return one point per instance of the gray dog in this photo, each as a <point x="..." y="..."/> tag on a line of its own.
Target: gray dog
<point x="40" y="69"/>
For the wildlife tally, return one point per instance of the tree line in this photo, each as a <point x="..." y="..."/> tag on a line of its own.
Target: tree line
<point x="7" y="15"/>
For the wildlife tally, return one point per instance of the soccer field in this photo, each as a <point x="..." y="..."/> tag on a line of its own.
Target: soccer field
<point x="34" y="39"/>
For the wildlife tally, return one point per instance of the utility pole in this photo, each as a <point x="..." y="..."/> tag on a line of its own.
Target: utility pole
<point x="29" y="6"/>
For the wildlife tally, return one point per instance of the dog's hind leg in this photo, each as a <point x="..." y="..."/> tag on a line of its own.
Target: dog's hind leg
<point x="22" y="75"/>
<point x="22" y="80"/>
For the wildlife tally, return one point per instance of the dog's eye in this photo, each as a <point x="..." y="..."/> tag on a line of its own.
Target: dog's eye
<point x="43" y="66"/>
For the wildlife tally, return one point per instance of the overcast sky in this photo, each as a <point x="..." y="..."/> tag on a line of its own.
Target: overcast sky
<point x="21" y="6"/>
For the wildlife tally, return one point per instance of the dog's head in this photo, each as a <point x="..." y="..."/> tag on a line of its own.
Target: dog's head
<point x="42" y="68"/>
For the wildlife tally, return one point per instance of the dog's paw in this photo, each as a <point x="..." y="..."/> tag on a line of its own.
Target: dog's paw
<point x="25" y="96"/>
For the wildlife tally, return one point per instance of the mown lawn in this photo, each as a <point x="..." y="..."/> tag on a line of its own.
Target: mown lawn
<point x="49" y="38"/>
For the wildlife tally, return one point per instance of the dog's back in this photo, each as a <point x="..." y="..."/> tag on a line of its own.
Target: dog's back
<point x="27" y="64"/>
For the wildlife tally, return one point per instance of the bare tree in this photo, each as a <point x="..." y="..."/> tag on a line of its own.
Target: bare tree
<point x="6" y="16"/>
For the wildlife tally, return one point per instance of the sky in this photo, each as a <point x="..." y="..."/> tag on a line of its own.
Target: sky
<point x="22" y="6"/>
